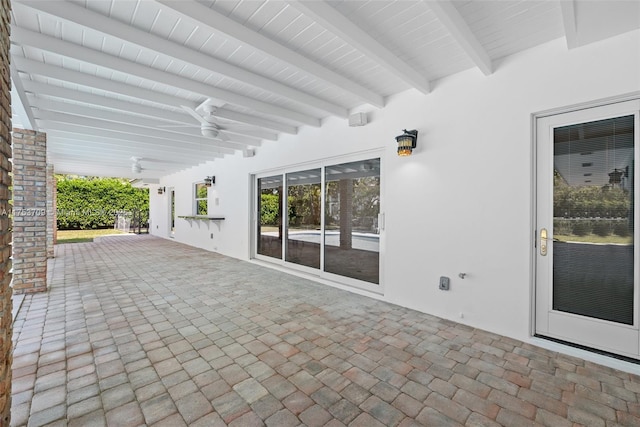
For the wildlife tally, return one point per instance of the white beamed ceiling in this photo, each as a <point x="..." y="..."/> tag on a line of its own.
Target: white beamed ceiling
<point x="107" y="79"/>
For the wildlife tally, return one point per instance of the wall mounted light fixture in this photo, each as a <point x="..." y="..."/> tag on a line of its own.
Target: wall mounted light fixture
<point x="407" y="142"/>
<point x="161" y="190"/>
<point x="209" y="181"/>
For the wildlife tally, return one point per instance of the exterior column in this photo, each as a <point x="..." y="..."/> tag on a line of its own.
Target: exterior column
<point x="29" y="211"/>
<point x="345" y="187"/>
<point x="51" y="211"/>
<point x="5" y="220"/>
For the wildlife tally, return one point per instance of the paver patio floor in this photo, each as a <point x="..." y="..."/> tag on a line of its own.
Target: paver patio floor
<point x="139" y="330"/>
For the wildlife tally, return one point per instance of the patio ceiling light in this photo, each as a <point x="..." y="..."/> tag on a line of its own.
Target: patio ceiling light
<point x="407" y="142"/>
<point x="209" y="181"/>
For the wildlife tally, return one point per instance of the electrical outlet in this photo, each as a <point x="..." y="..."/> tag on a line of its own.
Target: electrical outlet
<point x="212" y="235"/>
<point x="444" y="283"/>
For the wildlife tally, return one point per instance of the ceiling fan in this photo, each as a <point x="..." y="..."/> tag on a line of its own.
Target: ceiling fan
<point x="136" y="167"/>
<point x="210" y="125"/>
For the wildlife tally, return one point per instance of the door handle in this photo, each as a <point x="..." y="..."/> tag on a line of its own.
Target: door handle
<point x="543" y="242"/>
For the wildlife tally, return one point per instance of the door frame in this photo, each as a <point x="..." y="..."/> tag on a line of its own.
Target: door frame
<point x="320" y="274"/>
<point x="533" y="246"/>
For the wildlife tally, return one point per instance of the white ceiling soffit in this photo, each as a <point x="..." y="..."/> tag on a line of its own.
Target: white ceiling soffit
<point x="108" y="80"/>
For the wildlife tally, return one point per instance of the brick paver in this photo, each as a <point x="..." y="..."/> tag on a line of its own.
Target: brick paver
<point x="137" y="330"/>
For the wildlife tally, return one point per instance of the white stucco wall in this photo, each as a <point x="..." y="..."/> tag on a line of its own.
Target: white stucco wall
<point x="461" y="203"/>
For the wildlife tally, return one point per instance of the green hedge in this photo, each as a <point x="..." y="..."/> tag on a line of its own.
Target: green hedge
<point x="600" y="227"/>
<point x="90" y="203"/>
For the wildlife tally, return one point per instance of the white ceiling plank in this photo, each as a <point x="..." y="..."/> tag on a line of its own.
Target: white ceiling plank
<point x="178" y="116"/>
<point x="122" y="117"/>
<point x="237" y="116"/>
<point x="20" y="104"/>
<point x="182" y="136"/>
<point x="133" y="140"/>
<point x="75" y="77"/>
<point x="329" y="18"/>
<point x="88" y="147"/>
<point x="153" y="144"/>
<point x="449" y="16"/>
<point x="218" y="23"/>
<point x="23" y="36"/>
<point x="122" y="159"/>
<point x="568" y="9"/>
<point x="113" y="28"/>
<point x="84" y="168"/>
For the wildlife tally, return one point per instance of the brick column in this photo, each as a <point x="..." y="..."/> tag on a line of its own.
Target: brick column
<point x="5" y="221"/>
<point x="51" y="211"/>
<point x="29" y="211"/>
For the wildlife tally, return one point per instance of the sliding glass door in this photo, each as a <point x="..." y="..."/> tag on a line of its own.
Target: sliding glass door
<point x="323" y="219"/>
<point x="351" y="234"/>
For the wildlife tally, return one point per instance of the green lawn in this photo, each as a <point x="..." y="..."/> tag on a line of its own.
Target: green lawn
<point x="82" y="236"/>
<point x="592" y="238"/>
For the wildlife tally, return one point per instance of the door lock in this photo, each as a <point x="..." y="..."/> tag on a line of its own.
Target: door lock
<point x="543" y="242"/>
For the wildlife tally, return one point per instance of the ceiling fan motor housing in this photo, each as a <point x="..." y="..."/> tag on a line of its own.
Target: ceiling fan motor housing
<point x="209" y="131"/>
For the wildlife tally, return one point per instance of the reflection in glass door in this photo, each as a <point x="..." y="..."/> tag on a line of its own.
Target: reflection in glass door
<point x="304" y="216"/>
<point x="270" y="213"/>
<point x="351" y="238"/>
<point x="593" y="219"/>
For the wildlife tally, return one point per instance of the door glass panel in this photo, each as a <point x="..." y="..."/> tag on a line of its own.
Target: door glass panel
<point x="303" y="218"/>
<point x="593" y="265"/>
<point x="352" y="205"/>
<point x="173" y="213"/>
<point x="270" y="211"/>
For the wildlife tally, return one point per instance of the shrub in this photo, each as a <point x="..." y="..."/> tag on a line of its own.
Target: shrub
<point x="562" y="226"/>
<point x="269" y="211"/>
<point x="621" y="228"/>
<point x="581" y="228"/>
<point x="91" y="203"/>
<point x="602" y="228"/>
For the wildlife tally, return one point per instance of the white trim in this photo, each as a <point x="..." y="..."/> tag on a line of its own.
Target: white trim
<point x="568" y="9"/>
<point x="591" y="356"/>
<point x="21" y="105"/>
<point x="314" y="278"/>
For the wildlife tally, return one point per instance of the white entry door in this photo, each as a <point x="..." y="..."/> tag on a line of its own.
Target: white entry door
<point x="587" y="226"/>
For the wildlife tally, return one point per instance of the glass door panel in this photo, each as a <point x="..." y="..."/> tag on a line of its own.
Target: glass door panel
<point x="304" y="191"/>
<point x="593" y="266"/>
<point x="352" y="205"/>
<point x="270" y="204"/>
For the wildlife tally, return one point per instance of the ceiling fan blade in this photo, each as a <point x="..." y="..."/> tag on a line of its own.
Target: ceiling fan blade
<point x="178" y="126"/>
<point x="195" y="115"/>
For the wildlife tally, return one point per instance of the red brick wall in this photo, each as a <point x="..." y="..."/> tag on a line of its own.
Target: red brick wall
<point x="29" y="211"/>
<point x="51" y="211"/>
<point x="5" y="223"/>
